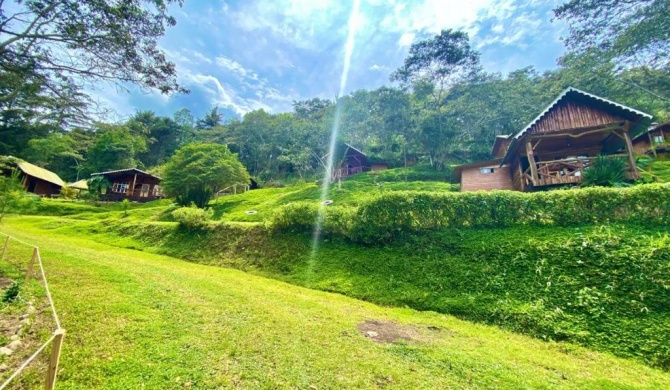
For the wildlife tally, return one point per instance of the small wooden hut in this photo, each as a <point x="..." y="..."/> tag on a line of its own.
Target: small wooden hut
<point x="348" y="161"/>
<point x="37" y="180"/>
<point x="654" y="141"/>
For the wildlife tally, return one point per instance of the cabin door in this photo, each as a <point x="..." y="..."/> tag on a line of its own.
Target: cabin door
<point x="145" y="191"/>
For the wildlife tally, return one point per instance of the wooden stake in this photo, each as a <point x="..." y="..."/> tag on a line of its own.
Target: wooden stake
<point x="31" y="264"/>
<point x="132" y="190"/>
<point x="531" y="161"/>
<point x="631" y="158"/>
<point x="4" y="250"/>
<point x="651" y="143"/>
<point x="52" y="371"/>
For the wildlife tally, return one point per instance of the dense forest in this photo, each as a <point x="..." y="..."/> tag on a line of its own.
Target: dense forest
<point x="440" y="107"/>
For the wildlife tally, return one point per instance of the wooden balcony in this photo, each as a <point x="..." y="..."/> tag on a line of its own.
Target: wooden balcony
<point x="134" y="196"/>
<point x="564" y="171"/>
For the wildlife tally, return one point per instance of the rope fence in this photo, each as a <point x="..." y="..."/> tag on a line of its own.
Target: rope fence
<point x="56" y="339"/>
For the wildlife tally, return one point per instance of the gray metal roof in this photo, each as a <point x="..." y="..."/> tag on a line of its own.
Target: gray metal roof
<point x="589" y="95"/>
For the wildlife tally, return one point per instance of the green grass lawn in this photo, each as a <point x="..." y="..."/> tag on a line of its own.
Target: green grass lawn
<point x="264" y="201"/>
<point x="136" y="320"/>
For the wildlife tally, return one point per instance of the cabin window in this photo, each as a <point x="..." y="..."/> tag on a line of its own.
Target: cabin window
<point x="485" y="170"/>
<point x="658" y="139"/>
<point x="120" y="188"/>
<point x="145" y="190"/>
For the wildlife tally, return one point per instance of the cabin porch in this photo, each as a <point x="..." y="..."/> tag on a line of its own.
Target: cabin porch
<point x="561" y="157"/>
<point x="564" y="171"/>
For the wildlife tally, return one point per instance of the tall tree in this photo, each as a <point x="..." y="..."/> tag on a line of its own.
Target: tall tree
<point x="433" y="68"/>
<point x="212" y="119"/>
<point x="56" y="152"/>
<point x="163" y="136"/>
<point x="115" y="148"/>
<point x="634" y="32"/>
<point x="88" y="41"/>
<point x="442" y="61"/>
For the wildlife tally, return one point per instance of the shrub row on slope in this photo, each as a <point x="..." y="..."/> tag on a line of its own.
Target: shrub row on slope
<point x="390" y="214"/>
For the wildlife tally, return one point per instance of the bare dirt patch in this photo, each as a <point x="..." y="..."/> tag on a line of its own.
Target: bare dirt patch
<point x="392" y="332"/>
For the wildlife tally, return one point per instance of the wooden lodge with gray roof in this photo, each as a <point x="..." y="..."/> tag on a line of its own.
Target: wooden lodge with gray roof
<point x="556" y="147"/>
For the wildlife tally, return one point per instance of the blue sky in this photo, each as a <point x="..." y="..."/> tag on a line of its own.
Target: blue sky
<point x="263" y="54"/>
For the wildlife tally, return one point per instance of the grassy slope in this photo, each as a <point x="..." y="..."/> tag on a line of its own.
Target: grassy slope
<point x="352" y="192"/>
<point x="599" y="286"/>
<point x="265" y="201"/>
<point x="661" y="170"/>
<point x="138" y="320"/>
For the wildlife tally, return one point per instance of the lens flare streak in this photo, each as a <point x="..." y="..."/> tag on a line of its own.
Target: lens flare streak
<point x="354" y="20"/>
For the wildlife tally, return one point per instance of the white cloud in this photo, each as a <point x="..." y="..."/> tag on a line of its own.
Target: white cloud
<point x="200" y="56"/>
<point x="379" y="68"/>
<point x="431" y="16"/>
<point x="236" y="68"/>
<point x="406" y="39"/>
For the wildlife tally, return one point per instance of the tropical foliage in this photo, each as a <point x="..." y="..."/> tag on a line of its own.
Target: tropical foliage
<point x="198" y="170"/>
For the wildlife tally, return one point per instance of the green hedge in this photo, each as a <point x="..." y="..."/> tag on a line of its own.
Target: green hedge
<point x="302" y="217"/>
<point x="390" y="214"/>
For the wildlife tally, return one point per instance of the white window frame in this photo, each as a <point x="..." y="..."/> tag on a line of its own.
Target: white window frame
<point x="120" y="188"/>
<point x="658" y="139"/>
<point x="486" y="171"/>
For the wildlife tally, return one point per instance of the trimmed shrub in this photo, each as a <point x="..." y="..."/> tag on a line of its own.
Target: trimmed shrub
<point x="390" y="214"/>
<point x="192" y="218"/>
<point x="303" y="217"/>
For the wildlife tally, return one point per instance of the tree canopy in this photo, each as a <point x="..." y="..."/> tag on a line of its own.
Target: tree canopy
<point x="97" y="40"/>
<point x="198" y="170"/>
<point x="636" y="32"/>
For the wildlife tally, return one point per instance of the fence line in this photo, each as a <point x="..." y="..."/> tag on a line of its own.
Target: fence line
<point x="46" y="287"/>
<point x="58" y="334"/>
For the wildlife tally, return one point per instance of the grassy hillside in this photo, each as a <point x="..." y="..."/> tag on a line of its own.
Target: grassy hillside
<point x="265" y="201"/>
<point x="601" y="286"/>
<point x="138" y="320"/>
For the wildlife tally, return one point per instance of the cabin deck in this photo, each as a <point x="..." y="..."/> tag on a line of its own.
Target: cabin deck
<point x="563" y="171"/>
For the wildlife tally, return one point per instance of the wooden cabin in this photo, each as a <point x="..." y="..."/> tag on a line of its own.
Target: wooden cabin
<point x="348" y="161"/>
<point x="132" y="184"/>
<point x="36" y="180"/>
<point x="556" y="147"/>
<point x="654" y="141"/>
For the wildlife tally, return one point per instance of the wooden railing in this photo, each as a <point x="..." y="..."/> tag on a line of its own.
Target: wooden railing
<point x="564" y="171"/>
<point x="341" y="173"/>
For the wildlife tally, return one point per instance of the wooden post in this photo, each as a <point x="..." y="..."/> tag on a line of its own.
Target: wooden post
<point x="531" y="161"/>
<point x="132" y="189"/>
<point x="31" y="264"/>
<point x="4" y="250"/>
<point x="52" y="371"/>
<point x="651" y="143"/>
<point x="631" y="158"/>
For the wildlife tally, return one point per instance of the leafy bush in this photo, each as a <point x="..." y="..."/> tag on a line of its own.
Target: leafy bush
<point x="68" y="192"/>
<point x="303" y="216"/>
<point x="12" y="194"/>
<point x="11" y="293"/>
<point x="393" y="213"/>
<point x="192" y="218"/>
<point x="606" y="172"/>
<point x="126" y="205"/>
